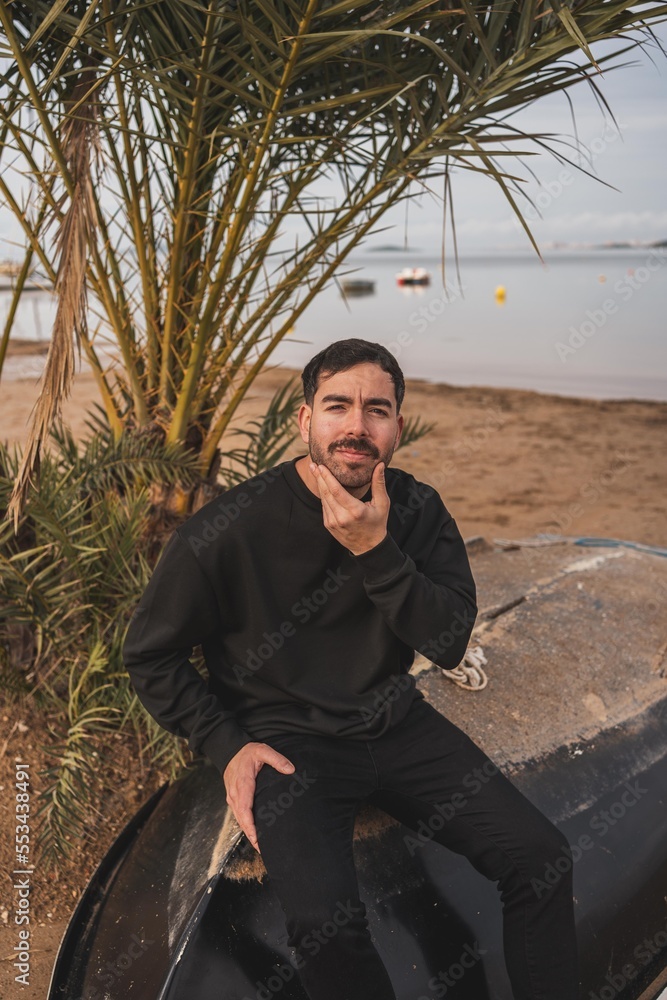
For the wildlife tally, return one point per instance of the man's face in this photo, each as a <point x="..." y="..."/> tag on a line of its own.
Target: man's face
<point x="353" y="424"/>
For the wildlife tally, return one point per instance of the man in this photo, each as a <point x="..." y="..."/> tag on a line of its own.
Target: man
<point x="309" y="587"/>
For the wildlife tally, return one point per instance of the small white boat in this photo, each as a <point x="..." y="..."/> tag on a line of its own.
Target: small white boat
<point x="413" y="276"/>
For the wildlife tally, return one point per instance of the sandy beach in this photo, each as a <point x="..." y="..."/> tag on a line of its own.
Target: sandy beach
<point x="505" y="461"/>
<point x="508" y="463"/>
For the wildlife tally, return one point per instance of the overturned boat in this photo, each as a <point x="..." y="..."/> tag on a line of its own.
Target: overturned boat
<point x="564" y="686"/>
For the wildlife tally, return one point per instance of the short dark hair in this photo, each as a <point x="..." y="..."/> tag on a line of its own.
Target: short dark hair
<point x="345" y="354"/>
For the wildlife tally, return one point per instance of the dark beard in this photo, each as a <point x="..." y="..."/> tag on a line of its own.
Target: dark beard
<point x="351" y="475"/>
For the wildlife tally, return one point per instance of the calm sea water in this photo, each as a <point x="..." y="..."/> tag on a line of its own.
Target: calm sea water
<point x="591" y="324"/>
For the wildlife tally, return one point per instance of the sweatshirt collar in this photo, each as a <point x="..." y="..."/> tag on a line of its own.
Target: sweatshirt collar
<point x="297" y="485"/>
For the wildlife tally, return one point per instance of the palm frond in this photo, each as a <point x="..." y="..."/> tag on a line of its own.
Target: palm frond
<point x="75" y="237"/>
<point x="413" y="430"/>
<point x="269" y="437"/>
<point x="65" y="802"/>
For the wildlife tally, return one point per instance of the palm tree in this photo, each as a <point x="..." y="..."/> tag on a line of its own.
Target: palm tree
<point x="157" y="156"/>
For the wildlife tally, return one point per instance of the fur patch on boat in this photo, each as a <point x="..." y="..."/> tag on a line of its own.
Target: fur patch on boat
<point x="244" y="863"/>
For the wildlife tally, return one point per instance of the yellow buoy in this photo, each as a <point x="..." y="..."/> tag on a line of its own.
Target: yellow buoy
<point x="500" y="294"/>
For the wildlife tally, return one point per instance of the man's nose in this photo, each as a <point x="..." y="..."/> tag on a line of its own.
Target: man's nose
<point x="356" y="423"/>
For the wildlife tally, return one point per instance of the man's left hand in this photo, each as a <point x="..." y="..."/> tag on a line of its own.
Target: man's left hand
<point x="357" y="525"/>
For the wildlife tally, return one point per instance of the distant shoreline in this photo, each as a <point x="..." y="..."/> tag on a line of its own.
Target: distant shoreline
<point x="18" y="346"/>
<point x="565" y="248"/>
<point x="25" y="349"/>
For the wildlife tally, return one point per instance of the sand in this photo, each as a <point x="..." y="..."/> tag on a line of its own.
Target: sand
<point x="505" y="461"/>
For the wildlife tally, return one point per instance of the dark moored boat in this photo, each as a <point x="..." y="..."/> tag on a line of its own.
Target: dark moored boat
<point x="358" y="286"/>
<point x="572" y="635"/>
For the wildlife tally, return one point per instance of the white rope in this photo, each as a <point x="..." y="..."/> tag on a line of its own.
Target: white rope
<point x="469" y="674"/>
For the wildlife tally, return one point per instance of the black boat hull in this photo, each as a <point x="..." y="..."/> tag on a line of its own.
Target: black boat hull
<point x="156" y="923"/>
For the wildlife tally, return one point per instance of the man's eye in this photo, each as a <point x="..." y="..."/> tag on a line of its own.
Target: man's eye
<point x="337" y="406"/>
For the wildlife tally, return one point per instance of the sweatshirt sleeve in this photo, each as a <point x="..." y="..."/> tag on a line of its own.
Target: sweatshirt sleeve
<point x="433" y="611"/>
<point x="177" y="611"/>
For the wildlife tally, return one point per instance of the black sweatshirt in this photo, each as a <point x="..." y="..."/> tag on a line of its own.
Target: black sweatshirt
<point x="298" y="634"/>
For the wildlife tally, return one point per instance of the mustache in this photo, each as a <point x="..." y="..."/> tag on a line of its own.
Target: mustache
<point x="353" y="447"/>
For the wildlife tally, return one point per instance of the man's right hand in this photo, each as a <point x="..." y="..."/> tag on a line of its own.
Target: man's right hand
<point x="240" y="777"/>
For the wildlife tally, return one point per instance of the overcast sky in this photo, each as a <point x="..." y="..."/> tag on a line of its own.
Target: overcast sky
<point x="575" y="208"/>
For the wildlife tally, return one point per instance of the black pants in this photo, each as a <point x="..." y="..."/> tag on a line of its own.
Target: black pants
<point x="425" y="761"/>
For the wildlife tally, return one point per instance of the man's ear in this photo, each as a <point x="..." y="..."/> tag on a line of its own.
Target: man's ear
<point x="303" y="417"/>
<point x="400" y="421"/>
